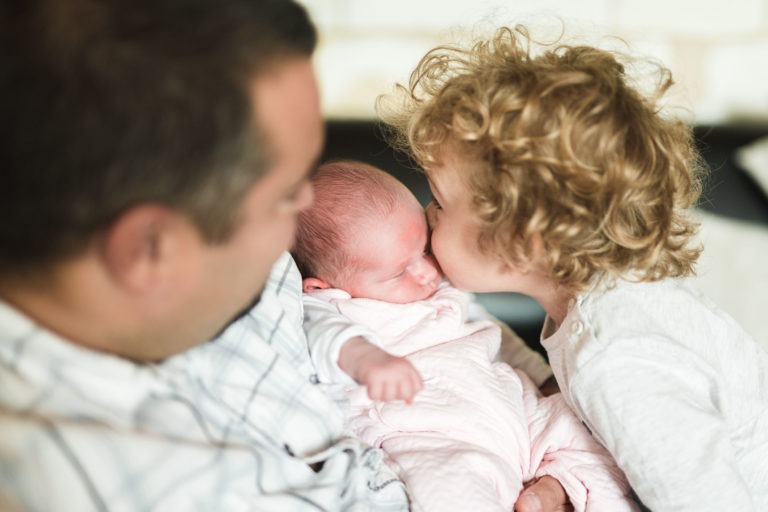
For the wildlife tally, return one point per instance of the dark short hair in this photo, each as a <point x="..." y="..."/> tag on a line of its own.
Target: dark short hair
<point x="108" y="104"/>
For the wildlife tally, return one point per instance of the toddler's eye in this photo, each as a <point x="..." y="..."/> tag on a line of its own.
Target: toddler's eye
<point x="435" y="204"/>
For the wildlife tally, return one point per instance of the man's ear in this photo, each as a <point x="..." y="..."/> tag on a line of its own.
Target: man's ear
<point x="133" y="248"/>
<point x="312" y="284"/>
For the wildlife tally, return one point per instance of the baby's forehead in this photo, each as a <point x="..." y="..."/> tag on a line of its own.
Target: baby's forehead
<point x="387" y="220"/>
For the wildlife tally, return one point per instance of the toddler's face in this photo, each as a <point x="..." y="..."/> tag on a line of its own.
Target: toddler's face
<point x="455" y="234"/>
<point x="392" y="259"/>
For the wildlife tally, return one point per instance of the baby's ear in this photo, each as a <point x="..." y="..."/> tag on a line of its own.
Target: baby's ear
<point x="312" y="284"/>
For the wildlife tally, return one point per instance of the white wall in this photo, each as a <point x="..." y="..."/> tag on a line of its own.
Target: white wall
<point x="717" y="50"/>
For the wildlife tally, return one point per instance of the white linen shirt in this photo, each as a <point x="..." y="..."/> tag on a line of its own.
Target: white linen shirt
<point x="675" y="390"/>
<point x="235" y="424"/>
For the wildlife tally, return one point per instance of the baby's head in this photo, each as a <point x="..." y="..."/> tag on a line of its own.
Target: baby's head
<point x="365" y="233"/>
<point x="564" y="160"/>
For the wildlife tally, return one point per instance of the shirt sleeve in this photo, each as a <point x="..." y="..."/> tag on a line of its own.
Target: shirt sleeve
<point x="327" y="330"/>
<point x="514" y="351"/>
<point x="656" y="409"/>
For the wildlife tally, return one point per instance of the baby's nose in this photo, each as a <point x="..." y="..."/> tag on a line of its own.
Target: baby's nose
<point x="425" y="271"/>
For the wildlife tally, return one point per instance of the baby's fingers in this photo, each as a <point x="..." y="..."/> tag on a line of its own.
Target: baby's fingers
<point x="379" y="390"/>
<point x="415" y="385"/>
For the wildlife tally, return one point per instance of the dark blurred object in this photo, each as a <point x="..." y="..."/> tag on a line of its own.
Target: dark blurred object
<point x="728" y="191"/>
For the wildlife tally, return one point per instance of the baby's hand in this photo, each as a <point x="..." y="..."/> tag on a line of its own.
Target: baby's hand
<point x="387" y="377"/>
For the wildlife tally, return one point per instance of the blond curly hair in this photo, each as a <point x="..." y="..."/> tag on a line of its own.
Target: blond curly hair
<point x="558" y="144"/>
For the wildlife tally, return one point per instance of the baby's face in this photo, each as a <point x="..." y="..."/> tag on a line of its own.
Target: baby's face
<point x="392" y="259"/>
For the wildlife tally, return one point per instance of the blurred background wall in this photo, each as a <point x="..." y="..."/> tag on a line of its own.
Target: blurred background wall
<point x="716" y="49"/>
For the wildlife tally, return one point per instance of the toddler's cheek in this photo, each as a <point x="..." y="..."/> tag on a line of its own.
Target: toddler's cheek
<point x="444" y="258"/>
<point x="435" y="264"/>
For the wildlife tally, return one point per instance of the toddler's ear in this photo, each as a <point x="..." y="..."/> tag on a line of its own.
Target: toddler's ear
<point x="312" y="284"/>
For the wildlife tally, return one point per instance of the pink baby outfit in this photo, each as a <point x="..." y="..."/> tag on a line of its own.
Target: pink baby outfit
<point x="479" y="429"/>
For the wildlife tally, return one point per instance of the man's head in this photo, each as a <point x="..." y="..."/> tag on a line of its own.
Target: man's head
<point x="154" y="159"/>
<point x="120" y="103"/>
<point x="366" y="234"/>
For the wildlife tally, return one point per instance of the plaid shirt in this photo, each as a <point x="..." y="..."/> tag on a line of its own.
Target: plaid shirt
<point x="235" y="424"/>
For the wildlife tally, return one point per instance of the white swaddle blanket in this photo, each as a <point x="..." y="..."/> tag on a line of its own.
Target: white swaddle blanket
<point x="479" y="429"/>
